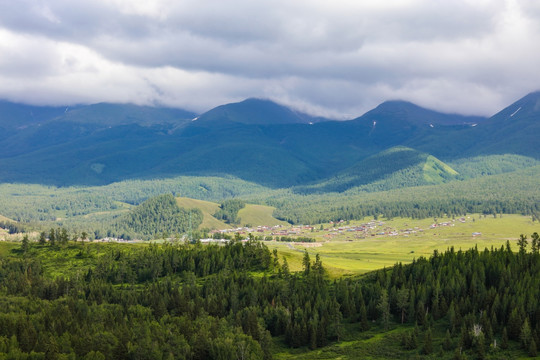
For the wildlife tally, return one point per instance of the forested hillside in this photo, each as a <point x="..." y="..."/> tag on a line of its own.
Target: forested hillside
<point x="511" y="193"/>
<point x="94" y="209"/>
<point x="158" y="216"/>
<point x="261" y="142"/>
<point x="240" y="300"/>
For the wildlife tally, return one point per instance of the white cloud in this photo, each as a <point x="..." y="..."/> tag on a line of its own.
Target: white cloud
<point x="336" y="58"/>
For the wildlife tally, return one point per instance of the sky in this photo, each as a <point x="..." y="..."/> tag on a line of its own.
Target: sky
<point x="335" y="58"/>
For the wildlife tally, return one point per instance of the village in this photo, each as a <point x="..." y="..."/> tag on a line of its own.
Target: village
<point x="340" y="230"/>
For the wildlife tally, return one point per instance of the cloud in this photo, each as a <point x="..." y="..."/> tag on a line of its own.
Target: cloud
<point x="333" y="58"/>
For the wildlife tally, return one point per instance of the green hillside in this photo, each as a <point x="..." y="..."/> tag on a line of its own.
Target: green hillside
<point x="492" y="165"/>
<point x="207" y="208"/>
<point x="437" y="172"/>
<point x="255" y="111"/>
<point x="251" y="214"/>
<point x="3" y="218"/>
<point x="116" y="114"/>
<point x="396" y="167"/>
<point x="256" y="215"/>
<point x="158" y="216"/>
<point x="510" y="193"/>
<point x="262" y="142"/>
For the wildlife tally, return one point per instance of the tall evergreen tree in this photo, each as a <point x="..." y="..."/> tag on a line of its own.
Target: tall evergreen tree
<point x="384" y="307"/>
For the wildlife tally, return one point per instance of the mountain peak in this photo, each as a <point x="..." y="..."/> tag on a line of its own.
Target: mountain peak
<point x="526" y="106"/>
<point x="255" y="111"/>
<point x="407" y="112"/>
<point x="393" y="105"/>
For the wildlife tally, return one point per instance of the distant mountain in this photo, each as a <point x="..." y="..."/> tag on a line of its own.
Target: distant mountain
<point x="256" y="112"/>
<point x="38" y="128"/>
<point x="396" y="144"/>
<point x="19" y="116"/>
<point x="396" y="167"/>
<point x="402" y="123"/>
<point x="514" y="130"/>
<point x="412" y="114"/>
<point x="122" y="114"/>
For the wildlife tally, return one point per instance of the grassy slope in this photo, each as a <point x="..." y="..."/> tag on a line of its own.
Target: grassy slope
<point x="252" y="214"/>
<point x="2" y="231"/>
<point x="208" y="209"/>
<point x="259" y="215"/>
<point x="345" y="255"/>
<point x="3" y="218"/>
<point x="436" y="172"/>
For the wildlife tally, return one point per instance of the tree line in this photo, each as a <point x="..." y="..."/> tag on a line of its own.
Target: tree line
<point x="202" y="302"/>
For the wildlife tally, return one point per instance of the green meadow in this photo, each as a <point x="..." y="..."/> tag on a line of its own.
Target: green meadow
<point x="345" y="254"/>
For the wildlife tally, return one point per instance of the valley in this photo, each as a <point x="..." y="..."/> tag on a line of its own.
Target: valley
<point x="253" y="228"/>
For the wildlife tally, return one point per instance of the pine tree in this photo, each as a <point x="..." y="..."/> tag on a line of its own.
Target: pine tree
<point x="532" y="349"/>
<point x="285" y="268"/>
<point x="421" y="313"/>
<point x="525" y="335"/>
<point x="504" y="339"/>
<point x="522" y="244"/>
<point x="514" y="325"/>
<point x="384" y="307"/>
<point x="52" y="237"/>
<point x="479" y="346"/>
<point x="306" y="263"/>
<point x="535" y="243"/>
<point x="403" y="302"/>
<point x="447" y="342"/>
<point x="428" y="343"/>
<point x="411" y="310"/>
<point x="42" y="238"/>
<point x="364" y="323"/>
<point x="25" y="245"/>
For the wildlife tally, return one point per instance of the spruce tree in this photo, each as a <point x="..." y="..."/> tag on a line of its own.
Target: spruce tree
<point x="384" y="307"/>
<point x="447" y="342"/>
<point x="428" y="343"/>
<point x="25" y="244"/>
<point x="525" y="335"/>
<point x="306" y="263"/>
<point x="504" y="339"/>
<point x="364" y="323"/>
<point x="42" y="238"/>
<point x="52" y="237"/>
<point x="532" y="349"/>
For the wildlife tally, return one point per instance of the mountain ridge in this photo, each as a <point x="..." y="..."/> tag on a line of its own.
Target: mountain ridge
<point x="256" y="140"/>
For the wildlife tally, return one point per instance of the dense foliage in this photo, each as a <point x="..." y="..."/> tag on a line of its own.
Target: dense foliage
<point x="99" y="208"/>
<point x="512" y="193"/>
<point x="30" y="203"/>
<point x="397" y="167"/>
<point x="254" y="140"/>
<point x="228" y="211"/>
<point x="202" y="302"/>
<point x="159" y="215"/>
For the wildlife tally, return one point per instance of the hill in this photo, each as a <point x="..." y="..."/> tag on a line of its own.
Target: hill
<point x="121" y="114"/>
<point x="514" y="130"/>
<point x="3" y="218"/>
<point x="255" y="112"/>
<point x="202" y="302"/>
<point x="413" y="114"/>
<point x="251" y="214"/>
<point x="157" y="216"/>
<point x="208" y="209"/>
<point x="262" y="142"/>
<point x="14" y="117"/>
<point x="259" y="215"/>
<point x="396" y="167"/>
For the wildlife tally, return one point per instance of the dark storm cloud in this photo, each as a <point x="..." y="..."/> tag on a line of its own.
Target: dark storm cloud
<point x="336" y="58"/>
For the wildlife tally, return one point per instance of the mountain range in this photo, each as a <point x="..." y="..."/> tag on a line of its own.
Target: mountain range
<point x="394" y="145"/>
